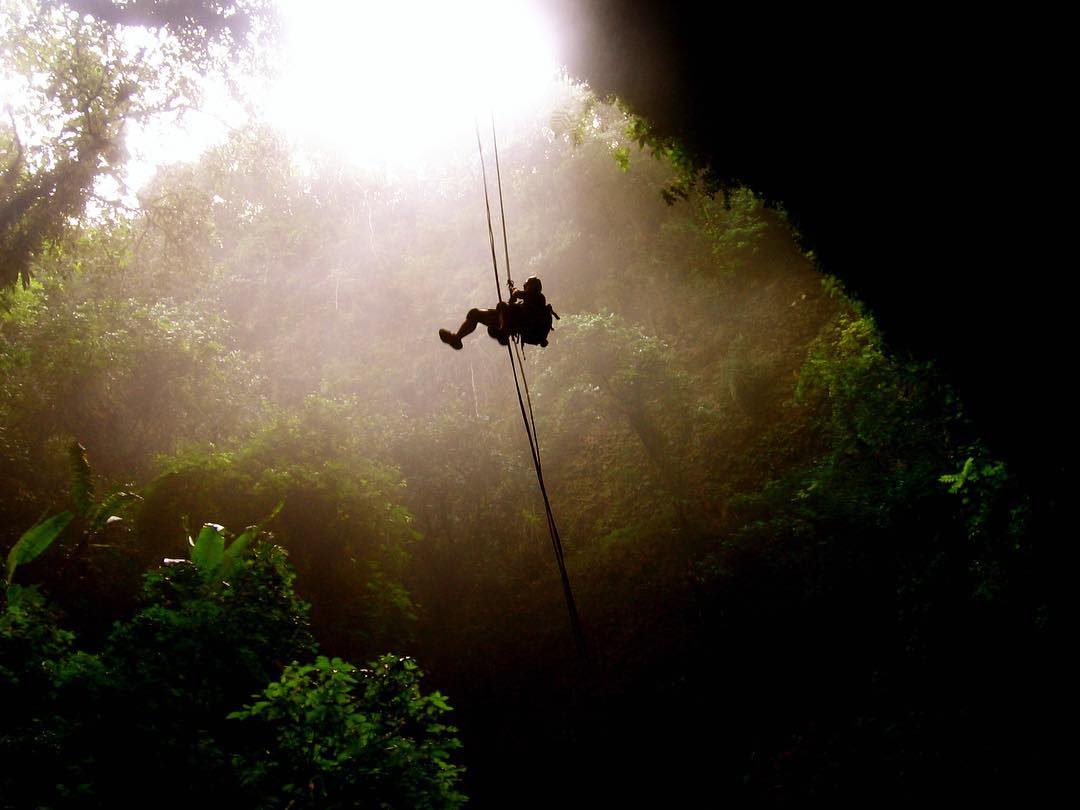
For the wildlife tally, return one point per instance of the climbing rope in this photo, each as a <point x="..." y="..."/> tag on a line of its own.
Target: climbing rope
<point x="527" y="417"/>
<point x="502" y="213"/>
<point x="528" y="399"/>
<point x="487" y="207"/>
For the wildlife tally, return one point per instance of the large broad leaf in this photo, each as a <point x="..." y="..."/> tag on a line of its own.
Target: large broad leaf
<point x="82" y="485"/>
<point x="209" y="547"/>
<point x="235" y="551"/>
<point x="110" y="509"/>
<point x="35" y="540"/>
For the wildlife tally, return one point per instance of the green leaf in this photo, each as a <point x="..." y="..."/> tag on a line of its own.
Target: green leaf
<point x="82" y="485"/>
<point x="111" y="507"/>
<point x="35" y="540"/>
<point x="622" y="158"/>
<point x="236" y="550"/>
<point x="209" y="547"/>
<point x="956" y="481"/>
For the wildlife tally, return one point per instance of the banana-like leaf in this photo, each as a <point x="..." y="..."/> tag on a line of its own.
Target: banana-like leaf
<point x="82" y="484"/>
<point x="35" y="540"/>
<point x="209" y="547"/>
<point x="235" y="551"/>
<point x="110" y="509"/>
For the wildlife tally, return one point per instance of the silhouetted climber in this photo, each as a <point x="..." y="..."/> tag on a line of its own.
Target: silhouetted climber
<point x="528" y="316"/>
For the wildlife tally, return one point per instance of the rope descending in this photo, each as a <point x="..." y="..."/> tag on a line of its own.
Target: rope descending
<point x="528" y="418"/>
<point x="502" y="213"/>
<point x="487" y="207"/>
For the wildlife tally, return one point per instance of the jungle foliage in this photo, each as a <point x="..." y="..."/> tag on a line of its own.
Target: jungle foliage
<point x="167" y="686"/>
<point x="788" y="543"/>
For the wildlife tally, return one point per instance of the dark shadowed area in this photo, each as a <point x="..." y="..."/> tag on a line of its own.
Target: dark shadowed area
<point x="919" y="154"/>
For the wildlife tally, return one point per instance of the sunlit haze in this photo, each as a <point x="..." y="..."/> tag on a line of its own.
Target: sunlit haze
<point x="391" y="81"/>
<point x="382" y="84"/>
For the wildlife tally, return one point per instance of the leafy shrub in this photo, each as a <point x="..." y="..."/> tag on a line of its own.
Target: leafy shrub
<point x="208" y="633"/>
<point x="347" y="534"/>
<point x="334" y="736"/>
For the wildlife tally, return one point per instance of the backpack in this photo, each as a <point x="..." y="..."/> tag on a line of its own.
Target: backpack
<point x="534" y="330"/>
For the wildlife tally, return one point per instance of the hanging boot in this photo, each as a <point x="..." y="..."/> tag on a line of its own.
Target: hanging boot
<point x="449" y="338"/>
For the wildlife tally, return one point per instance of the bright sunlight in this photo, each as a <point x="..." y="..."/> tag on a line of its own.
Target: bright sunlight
<point x="391" y="82"/>
<point x="384" y="85"/>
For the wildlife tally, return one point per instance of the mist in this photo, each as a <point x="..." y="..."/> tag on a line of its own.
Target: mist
<point x="797" y="565"/>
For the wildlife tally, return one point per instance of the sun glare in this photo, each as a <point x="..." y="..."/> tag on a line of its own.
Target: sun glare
<point x="390" y="82"/>
<point x="385" y="85"/>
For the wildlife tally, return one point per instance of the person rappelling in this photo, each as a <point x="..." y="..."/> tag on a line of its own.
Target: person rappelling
<point x="527" y="317"/>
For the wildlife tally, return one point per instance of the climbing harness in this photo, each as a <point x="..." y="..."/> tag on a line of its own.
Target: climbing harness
<point x="527" y="417"/>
